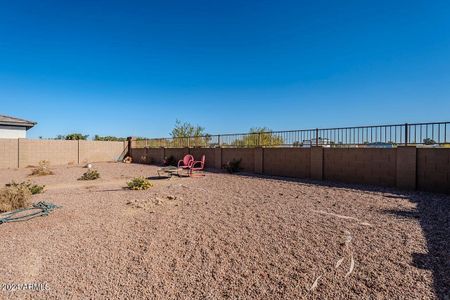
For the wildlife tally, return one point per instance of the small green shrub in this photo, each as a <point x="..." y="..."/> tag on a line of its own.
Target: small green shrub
<point x="233" y="166"/>
<point x="139" y="183"/>
<point x="90" y="174"/>
<point x="170" y="161"/>
<point x="43" y="169"/>
<point x="32" y="187"/>
<point x="14" y="197"/>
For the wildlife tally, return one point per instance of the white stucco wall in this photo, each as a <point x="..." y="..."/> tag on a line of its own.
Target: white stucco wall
<point x="12" y="132"/>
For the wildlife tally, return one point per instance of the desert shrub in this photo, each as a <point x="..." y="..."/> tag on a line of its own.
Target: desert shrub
<point x="43" y="169"/>
<point x="90" y="174"/>
<point x="233" y="166"/>
<point x="170" y="161"/>
<point x="14" y="197"/>
<point x="139" y="183"/>
<point x="32" y="187"/>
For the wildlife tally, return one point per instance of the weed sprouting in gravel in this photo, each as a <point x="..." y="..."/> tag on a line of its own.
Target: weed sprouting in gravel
<point x="90" y="174"/>
<point x="139" y="183"/>
<point x="42" y="169"/>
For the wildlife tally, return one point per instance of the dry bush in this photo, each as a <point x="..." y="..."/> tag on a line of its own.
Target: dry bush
<point x="233" y="166"/>
<point x="90" y="174"/>
<point x="14" y="197"/>
<point x="139" y="183"/>
<point x="34" y="188"/>
<point x="43" y="169"/>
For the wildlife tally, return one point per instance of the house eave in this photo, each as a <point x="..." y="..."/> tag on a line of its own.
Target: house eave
<point x="19" y="124"/>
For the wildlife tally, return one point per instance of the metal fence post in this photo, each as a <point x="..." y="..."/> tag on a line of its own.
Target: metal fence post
<point x="317" y="136"/>
<point x="406" y="134"/>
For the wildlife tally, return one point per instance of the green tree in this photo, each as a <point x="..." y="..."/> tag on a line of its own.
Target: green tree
<point x="185" y="134"/>
<point x="186" y="129"/>
<point x="108" y="138"/>
<point x="259" y="136"/>
<point x="76" y="136"/>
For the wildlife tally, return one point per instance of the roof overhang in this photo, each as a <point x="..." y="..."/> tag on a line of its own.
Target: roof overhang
<point x="15" y="122"/>
<point x="18" y="123"/>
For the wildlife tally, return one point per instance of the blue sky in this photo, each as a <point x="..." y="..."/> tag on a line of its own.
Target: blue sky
<point x="134" y="67"/>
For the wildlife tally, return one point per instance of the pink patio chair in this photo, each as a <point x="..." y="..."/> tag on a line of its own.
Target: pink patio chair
<point x="197" y="166"/>
<point x="186" y="162"/>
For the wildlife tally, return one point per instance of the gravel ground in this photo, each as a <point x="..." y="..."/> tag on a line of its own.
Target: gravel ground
<point x="226" y="236"/>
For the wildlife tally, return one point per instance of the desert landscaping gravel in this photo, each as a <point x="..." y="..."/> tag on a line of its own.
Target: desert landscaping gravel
<point x="225" y="236"/>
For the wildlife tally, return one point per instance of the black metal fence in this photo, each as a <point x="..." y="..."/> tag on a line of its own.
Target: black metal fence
<point x="435" y="134"/>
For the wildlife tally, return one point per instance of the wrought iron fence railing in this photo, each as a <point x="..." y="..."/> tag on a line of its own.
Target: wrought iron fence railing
<point x="436" y="134"/>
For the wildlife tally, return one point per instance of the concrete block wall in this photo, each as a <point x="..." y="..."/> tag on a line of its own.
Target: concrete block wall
<point x="209" y="155"/>
<point x="246" y="154"/>
<point x="178" y="153"/>
<point x="259" y="160"/>
<point x="218" y="158"/>
<point x="9" y="153"/>
<point x="407" y="168"/>
<point x="100" y="151"/>
<point x="20" y="153"/>
<point x="57" y="152"/>
<point x="433" y="170"/>
<point x="157" y="155"/>
<point x="140" y="155"/>
<point x="289" y="162"/>
<point x="360" y="165"/>
<point x="317" y="163"/>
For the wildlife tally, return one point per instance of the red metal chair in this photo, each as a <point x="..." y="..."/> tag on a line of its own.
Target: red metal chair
<point x="186" y="162"/>
<point x="197" y="166"/>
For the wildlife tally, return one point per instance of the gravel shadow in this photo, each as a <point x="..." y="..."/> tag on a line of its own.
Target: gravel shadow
<point x="433" y="213"/>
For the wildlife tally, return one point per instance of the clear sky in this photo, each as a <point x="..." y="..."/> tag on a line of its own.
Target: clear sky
<point x="134" y="67"/>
